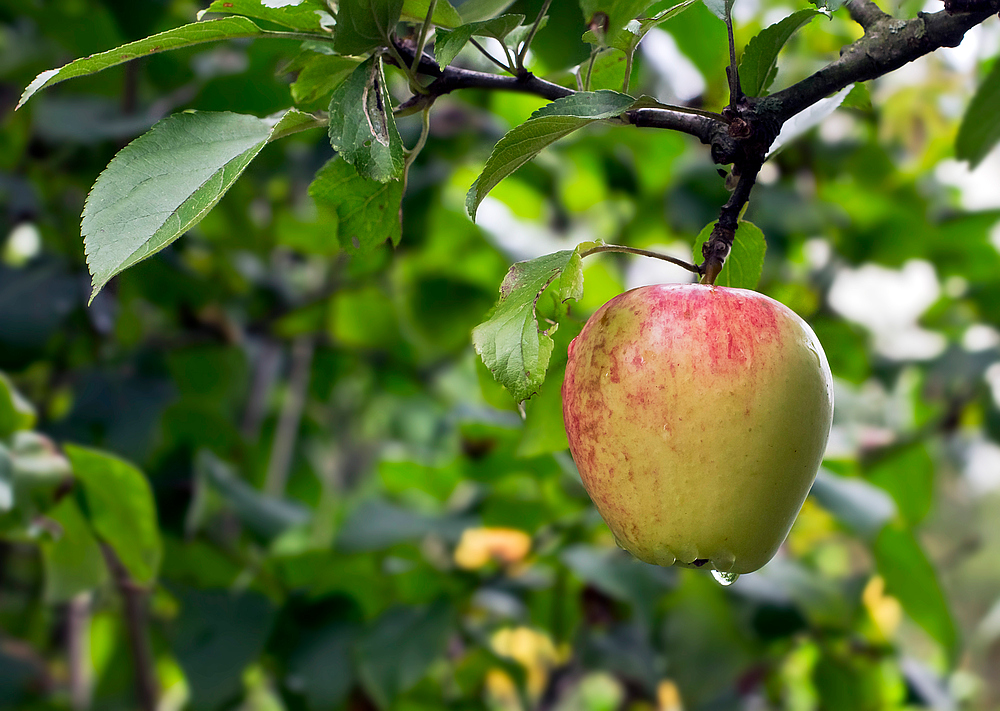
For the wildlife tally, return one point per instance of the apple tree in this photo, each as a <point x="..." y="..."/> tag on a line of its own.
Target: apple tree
<point x="281" y="425"/>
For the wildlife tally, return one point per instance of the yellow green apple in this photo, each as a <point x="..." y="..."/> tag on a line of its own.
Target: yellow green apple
<point x="697" y="416"/>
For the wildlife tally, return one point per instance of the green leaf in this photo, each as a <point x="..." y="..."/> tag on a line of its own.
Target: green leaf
<point x="759" y="63"/>
<point x="645" y="25"/>
<point x="164" y="182"/>
<point x="377" y="524"/>
<point x="910" y="577"/>
<point x="746" y="260"/>
<point x="368" y="211"/>
<point x="300" y="15"/>
<point x="73" y="562"/>
<point x="476" y="10"/>
<point x="216" y="636"/>
<point x="829" y="5"/>
<point x="543" y="431"/>
<point x="322" y="665"/>
<point x="854" y="502"/>
<point x="608" y="71"/>
<point x="121" y="510"/>
<point x="320" y="74"/>
<point x="362" y="128"/>
<point x="449" y="43"/>
<point x="396" y="653"/>
<point x="31" y="469"/>
<point x="509" y="342"/>
<point x="628" y="38"/>
<point x="908" y="475"/>
<point x="265" y="516"/>
<point x="980" y="129"/>
<point x="859" y="98"/>
<point x="445" y="14"/>
<point x="519" y="34"/>
<point x="720" y="8"/>
<point x="363" y="25"/>
<point x="619" y="575"/>
<point x="545" y="127"/>
<point x="16" y="413"/>
<point x="195" y="33"/>
<point x="620" y="13"/>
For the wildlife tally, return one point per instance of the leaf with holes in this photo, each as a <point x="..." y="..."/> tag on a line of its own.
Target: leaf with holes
<point x="362" y="128"/>
<point x="545" y="127"/>
<point x="164" y="182"/>
<point x="746" y="260"/>
<point x="510" y="342"/>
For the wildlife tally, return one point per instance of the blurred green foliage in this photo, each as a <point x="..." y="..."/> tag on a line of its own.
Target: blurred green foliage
<point x="291" y="446"/>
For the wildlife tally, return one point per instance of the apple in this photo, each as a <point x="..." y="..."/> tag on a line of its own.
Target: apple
<point x="698" y="417"/>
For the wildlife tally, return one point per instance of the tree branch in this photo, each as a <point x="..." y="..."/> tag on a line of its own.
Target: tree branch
<point x="716" y="249"/>
<point x="452" y="79"/>
<point x="707" y="130"/>
<point x="134" y="600"/>
<point x="865" y="12"/>
<point x="888" y="44"/>
<point x="750" y="125"/>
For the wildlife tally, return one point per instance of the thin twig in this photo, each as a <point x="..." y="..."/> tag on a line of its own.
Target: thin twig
<point x="411" y="155"/>
<point x="267" y="358"/>
<point x="422" y="37"/>
<point x="78" y="651"/>
<point x="590" y="68"/>
<point x="137" y="626"/>
<point x="629" y="56"/>
<point x="490" y="57"/>
<point x="735" y="90"/>
<point x="531" y="35"/>
<point x="291" y="414"/>
<point x="642" y="253"/>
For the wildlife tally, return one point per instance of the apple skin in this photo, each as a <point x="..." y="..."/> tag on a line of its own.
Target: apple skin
<point x="698" y="417"/>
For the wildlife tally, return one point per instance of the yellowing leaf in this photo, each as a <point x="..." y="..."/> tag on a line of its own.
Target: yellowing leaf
<point x="480" y="546"/>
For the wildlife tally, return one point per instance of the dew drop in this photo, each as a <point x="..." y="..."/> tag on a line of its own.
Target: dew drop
<point x="724" y="579"/>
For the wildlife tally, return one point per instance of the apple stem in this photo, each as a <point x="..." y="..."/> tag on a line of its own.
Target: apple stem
<point x="642" y="253"/>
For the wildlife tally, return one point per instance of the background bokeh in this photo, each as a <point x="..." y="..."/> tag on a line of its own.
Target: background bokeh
<point x="350" y="513"/>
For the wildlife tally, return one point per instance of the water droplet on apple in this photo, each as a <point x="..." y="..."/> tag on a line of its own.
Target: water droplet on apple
<point x="723" y="560"/>
<point x="725" y="579"/>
